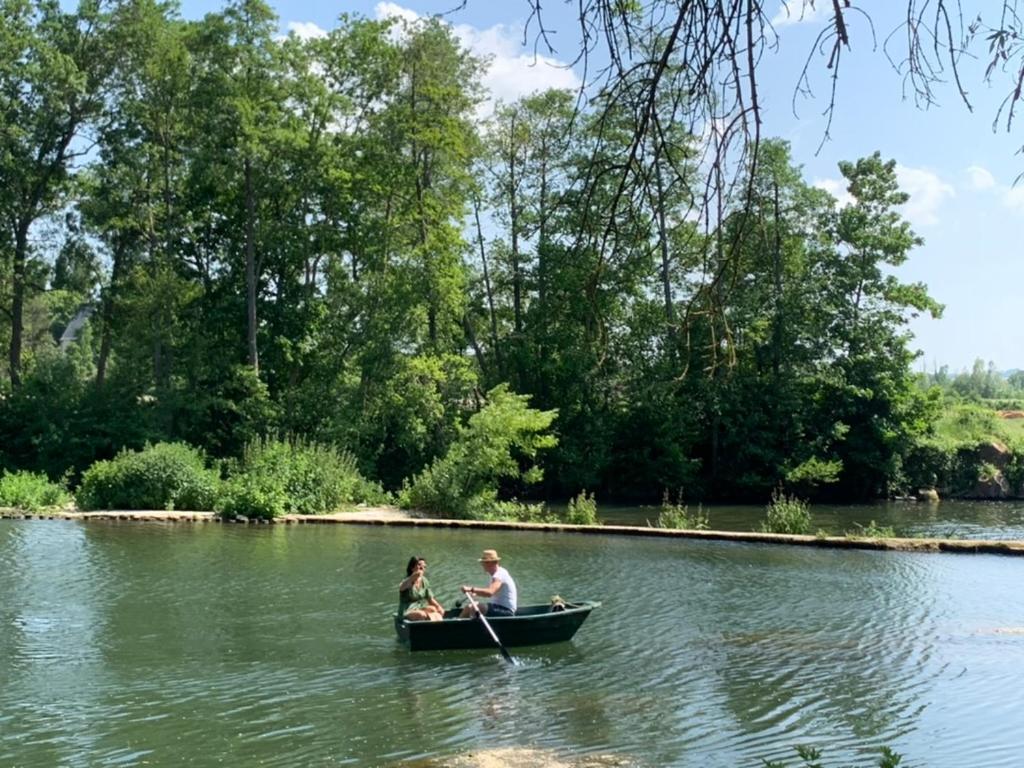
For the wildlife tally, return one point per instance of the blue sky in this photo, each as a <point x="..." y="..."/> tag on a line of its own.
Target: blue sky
<point x="959" y="171"/>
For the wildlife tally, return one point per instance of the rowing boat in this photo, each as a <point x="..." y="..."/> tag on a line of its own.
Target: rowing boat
<point x="532" y="625"/>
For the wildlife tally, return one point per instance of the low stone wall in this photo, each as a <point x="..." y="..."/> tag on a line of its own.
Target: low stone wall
<point x="394" y="517"/>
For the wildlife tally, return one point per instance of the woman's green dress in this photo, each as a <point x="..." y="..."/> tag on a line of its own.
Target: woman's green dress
<point x="417" y="597"/>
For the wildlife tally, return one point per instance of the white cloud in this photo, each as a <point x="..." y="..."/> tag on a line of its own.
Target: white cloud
<point x="927" y="192"/>
<point x="980" y="178"/>
<point x="799" y="12"/>
<point x="394" y="11"/>
<point x="306" y="30"/>
<point x="1013" y="198"/>
<point x="511" y="72"/>
<point x="837" y="189"/>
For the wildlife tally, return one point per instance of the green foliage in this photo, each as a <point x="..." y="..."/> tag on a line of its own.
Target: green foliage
<point x="161" y="476"/>
<point x="952" y="458"/>
<point x="232" y="410"/>
<point x="677" y="515"/>
<point x="872" y="531"/>
<point x="787" y="514"/>
<point x="284" y="224"/>
<point x="406" y="416"/>
<point x="511" y="511"/>
<point x="815" y="471"/>
<point x="969" y="424"/>
<point x="31" y="491"/>
<point x="582" y="510"/>
<point x="278" y="477"/>
<point x="810" y="757"/>
<point x="488" y="451"/>
<point x="982" y="384"/>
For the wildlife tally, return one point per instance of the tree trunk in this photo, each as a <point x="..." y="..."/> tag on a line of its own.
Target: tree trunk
<point x="542" y="230"/>
<point x="250" y="266"/>
<point x="107" y="315"/>
<point x="777" y="332"/>
<point x="18" y="301"/>
<point x="517" y="277"/>
<point x="666" y="276"/>
<point x="487" y="284"/>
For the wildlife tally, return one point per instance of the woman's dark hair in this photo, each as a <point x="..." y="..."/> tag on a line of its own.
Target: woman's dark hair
<point x="412" y="565"/>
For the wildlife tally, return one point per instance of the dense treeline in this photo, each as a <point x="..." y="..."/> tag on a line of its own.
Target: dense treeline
<point x="240" y="235"/>
<point x="981" y="384"/>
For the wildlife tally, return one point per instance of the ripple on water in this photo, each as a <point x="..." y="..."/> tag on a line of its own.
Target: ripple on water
<point x="276" y="648"/>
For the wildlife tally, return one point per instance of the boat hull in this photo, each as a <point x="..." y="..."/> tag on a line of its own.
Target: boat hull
<point x="532" y="625"/>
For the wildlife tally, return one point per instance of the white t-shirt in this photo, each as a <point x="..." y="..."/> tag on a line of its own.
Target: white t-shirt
<point x="506" y="595"/>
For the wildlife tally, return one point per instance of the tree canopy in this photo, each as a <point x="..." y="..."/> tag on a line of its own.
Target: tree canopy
<point x="263" y="236"/>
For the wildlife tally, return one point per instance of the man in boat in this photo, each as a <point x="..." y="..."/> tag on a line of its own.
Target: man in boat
<point x="501" y="592"/>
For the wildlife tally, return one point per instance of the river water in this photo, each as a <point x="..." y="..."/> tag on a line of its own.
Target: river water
<point x="206" y="645"/>
<point x="947" y="519"/>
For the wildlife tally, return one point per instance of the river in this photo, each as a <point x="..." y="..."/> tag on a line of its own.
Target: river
<point x="947" y="519"/>
<point x="150" y="644"/>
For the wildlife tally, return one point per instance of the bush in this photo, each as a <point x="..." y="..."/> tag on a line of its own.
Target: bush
<point x="464" y="482"/>
<point x="872" y="531"/>
<point x="582" y="510"/>
<point x="514" y="511"/>
<point x="279" y="477"/>
<point x="678" y="516"/>
<point x="30" y="491"/>
<point x="787" y="514"/>
<point x="161" y="476"/>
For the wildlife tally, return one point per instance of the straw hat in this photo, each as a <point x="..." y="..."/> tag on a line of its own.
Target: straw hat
<point x="490" y="556"/>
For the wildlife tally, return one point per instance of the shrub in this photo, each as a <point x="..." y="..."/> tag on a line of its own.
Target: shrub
<point x="514" y="511"/>
<point x="677" y="515"/>
<point x="487" y="451"/>
<point x="30" y="491"/>
<point x="161" y="476"/>
<point x="582" y="510"/>
<point x="278" y="477"/>
<point x="787" y="514"/>
<point x="872" y="531"/>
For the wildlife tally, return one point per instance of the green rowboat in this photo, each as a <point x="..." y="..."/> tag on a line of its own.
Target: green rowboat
<point x="532" y="625"/>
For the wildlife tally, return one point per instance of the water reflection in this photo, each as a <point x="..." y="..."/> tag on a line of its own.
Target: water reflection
<point x="166" y="645"/>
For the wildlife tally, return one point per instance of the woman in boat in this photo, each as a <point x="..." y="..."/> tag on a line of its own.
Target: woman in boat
<point x="416" y="601"/>
<point x="501" y="591"/>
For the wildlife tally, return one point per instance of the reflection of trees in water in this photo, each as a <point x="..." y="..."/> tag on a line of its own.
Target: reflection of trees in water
<point x="846" y="671"/>
<point x="50" y="617"/>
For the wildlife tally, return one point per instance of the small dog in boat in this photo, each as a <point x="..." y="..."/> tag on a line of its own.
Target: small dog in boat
<point x="557" y="604"/>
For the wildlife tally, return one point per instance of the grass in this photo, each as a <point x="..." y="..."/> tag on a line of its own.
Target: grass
<point x="977" y="424"/>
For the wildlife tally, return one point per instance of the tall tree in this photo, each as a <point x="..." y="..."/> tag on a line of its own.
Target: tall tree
<point x="53" y="75"/>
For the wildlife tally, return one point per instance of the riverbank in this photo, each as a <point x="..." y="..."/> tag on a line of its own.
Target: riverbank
<point x="384" y="515"/>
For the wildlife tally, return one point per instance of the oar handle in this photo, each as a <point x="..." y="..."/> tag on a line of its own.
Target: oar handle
<point x="489" y="628"/>
<point x="476" y="607"/>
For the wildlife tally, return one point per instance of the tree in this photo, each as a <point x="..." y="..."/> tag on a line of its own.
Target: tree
<point x="53" y="75"/>
<point x="870" y="388"/>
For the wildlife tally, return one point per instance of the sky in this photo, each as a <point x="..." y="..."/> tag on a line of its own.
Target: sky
<point x="959" y="171"/>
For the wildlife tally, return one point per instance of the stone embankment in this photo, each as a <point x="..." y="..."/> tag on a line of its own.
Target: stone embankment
<point x="395" y="517"/>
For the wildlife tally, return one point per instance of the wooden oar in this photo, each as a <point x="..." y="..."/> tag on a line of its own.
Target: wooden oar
<point x="490" y="630"/>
